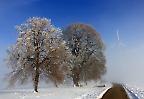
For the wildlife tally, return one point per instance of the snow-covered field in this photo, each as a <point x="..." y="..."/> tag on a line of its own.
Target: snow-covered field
<point x="87" y="92"/>
<point x="94" y="93"/>
<point x="137" y="91"/>
<point x="91" y="91"/>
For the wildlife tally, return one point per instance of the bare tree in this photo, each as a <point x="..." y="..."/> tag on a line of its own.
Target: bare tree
<point x="38" y="53"/>
<point x="87" y="49"/>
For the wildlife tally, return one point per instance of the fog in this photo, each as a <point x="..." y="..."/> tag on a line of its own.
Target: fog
<point x="125" y="64"/>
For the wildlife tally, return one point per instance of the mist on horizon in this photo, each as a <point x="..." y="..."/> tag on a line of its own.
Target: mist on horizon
<point x="125" y="64"/>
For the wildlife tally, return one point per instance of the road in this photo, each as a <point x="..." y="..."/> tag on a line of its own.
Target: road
<point x="116" y="92"/>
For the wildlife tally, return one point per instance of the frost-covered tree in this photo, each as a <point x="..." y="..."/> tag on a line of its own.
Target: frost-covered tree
<point x="39" y="53"/>
<point x="87" y="49"/>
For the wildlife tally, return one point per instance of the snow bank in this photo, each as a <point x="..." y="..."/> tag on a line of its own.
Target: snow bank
<point x="51" y="93"/>
<point x="95" y="92"/>
<point x="87" y="92"/>
<point x="136" y="91"/>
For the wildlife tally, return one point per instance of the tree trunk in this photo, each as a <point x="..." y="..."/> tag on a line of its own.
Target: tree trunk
<point x="75" y="81"/>
<point x="55" y="84"/>
<point x="76" y="76"/>
<point x="36" y="79"/>
<point x="37" y="64"/>
<point x="84" y="76"/>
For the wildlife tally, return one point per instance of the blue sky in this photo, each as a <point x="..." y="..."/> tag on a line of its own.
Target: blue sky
<point x="106" y="16"/>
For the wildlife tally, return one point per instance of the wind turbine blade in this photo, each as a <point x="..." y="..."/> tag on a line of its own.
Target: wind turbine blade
<point x="118" y="35"/>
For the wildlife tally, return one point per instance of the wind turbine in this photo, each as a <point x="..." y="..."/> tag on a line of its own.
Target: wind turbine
<point x="120" y="44"/>
<point x="118" y="35"/>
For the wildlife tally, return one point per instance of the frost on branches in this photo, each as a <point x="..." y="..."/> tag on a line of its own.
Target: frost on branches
<point x="87" y="49"/>
<point x="39" y="53"/>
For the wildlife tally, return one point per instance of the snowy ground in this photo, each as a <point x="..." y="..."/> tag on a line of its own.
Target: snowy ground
<point x="91" y="91"/>
<point x="95" y="92"/>
<point x="87" y="92"/>
<point x="135" y="92"/>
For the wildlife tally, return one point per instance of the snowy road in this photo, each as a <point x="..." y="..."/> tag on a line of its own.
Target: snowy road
<point x="133" y="93"/>
<point x="116" y="92"/>
<point x="98" y="93"/>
